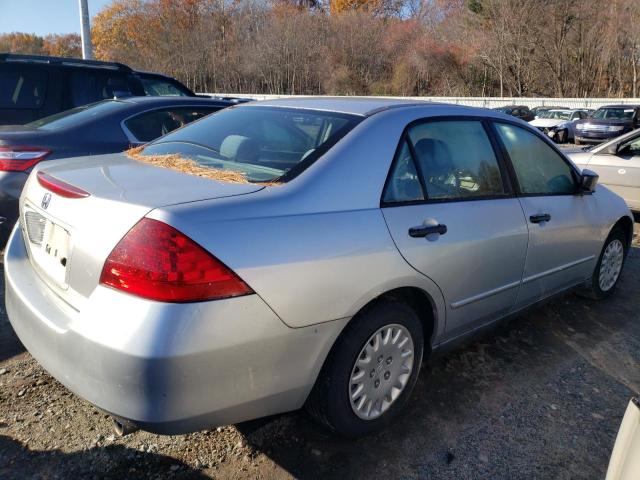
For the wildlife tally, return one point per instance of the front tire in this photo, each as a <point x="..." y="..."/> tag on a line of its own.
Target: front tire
<point x="609" y="267"/>
<point x="562" y="136"/>
<point x="371" y="371"/>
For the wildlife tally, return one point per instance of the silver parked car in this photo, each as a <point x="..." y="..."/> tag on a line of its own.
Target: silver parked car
<point x="617" y="162"/>
<point x="365" y="234"/>
<point x="558" y="124"/>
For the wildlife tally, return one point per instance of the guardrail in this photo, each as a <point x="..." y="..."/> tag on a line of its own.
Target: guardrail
<point x="485" y="102"/>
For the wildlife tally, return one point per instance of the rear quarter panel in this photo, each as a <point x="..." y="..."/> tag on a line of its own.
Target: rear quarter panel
<point x="317" y="248"/>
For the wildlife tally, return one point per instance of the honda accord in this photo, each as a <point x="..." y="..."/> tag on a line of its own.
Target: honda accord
<point x="303" y="252"/>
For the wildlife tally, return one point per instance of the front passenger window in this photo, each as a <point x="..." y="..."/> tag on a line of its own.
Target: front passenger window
<point x="540" y="169"/>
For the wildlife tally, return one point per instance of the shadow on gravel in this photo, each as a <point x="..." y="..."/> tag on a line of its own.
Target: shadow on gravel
<point x="10" y="345"/>
<point x="539" y="396"/>
<point x="111" y="462"/>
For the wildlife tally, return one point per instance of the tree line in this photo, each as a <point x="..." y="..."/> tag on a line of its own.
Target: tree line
<point x="550" y="48"/>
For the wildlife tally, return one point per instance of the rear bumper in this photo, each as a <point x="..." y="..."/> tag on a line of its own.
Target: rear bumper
<point x="11" y="185"/>
<point x="169" y="368"/>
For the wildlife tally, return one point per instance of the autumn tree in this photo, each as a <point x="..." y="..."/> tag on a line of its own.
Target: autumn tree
<point x="67" y="45"/>
<point x="21" y="43"/>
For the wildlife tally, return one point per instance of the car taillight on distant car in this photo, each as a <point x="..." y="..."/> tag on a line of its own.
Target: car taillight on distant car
<point x="19" y="159"/>
<point x="156" y="261"/>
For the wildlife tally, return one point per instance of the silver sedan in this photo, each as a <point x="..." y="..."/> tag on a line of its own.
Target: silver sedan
<point x="307" y="252"/>
<point x="617" y="162"/>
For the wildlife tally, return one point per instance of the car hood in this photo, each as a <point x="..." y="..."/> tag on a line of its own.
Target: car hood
<point x="595" y="121"/>
<point x="547" y="122"/>
<point x="581" y="159"/>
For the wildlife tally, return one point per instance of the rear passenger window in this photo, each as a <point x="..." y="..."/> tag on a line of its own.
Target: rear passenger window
<point x="456" y="160"/>
<point x="88" y="86"/>
<point x="151" y="125"/>
<point x="540" y="169"/>
<point x="22" y="87"/>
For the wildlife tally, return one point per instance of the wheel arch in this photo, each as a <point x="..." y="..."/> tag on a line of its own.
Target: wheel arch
<point x="626" y="224"/>
<point x="418" y="299"/>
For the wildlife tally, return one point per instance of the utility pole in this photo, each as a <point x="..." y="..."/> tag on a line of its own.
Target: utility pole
<point x="85" y="32"/>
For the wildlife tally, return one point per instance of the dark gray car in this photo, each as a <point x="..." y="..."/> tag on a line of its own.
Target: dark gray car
<point x="607" y="122"/>
<point x="104" y="127"/>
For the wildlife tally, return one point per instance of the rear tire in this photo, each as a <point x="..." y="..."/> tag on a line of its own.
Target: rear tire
<point x="609" y="267"/>
<point x="357" y="390"/>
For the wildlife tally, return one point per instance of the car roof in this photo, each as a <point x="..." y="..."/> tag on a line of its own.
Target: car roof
<point x="363" y="106"/>
<point x="62" y="61"/>
<point x="172" y="100"/>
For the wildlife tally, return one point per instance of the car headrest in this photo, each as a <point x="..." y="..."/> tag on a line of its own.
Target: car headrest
<point x="240" y="149"/>
<point x="434" y="156"/>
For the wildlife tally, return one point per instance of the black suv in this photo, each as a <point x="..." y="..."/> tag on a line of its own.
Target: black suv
<point x="519" y="111"/>
<point x="32" y="86"/>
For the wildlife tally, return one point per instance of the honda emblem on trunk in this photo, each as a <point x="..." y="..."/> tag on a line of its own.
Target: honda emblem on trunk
<point x="45" y="200"/>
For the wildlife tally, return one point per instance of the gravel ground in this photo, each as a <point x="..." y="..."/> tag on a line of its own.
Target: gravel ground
<point x="541" y="396"/>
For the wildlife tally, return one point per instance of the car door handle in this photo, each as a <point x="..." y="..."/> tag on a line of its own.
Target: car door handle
<point x="541" y="217"/>
<point x="424" y="230"/>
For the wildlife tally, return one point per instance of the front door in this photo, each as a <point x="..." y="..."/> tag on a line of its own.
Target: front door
<point x="564" y="240"/>
<point x="450" y="211"/>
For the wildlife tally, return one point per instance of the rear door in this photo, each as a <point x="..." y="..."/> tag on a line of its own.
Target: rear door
<point x="451" y="212"/>
<point x="563" y="225"/>
<point x="89" y="85"/>
<point x="621" y="172"/>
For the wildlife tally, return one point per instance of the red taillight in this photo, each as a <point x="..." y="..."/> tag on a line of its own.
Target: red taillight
<point x="63" y="189"/>
<point x="19" y="159"/>
<point x="156" y="261"/>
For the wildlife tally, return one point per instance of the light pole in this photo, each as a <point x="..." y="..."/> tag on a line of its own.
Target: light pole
<point x="85" y="31"/>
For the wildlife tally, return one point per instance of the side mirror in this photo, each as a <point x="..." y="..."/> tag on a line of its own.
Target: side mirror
<point x="588" y="181"/>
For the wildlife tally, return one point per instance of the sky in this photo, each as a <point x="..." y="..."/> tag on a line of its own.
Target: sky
<point x="44" y="16"/>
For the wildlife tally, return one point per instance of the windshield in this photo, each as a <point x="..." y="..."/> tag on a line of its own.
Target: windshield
<point x="262" y="143"/>
<point x="613" y="113"/>
<point x="76" y="116"/>
<point x="503" y="109"/>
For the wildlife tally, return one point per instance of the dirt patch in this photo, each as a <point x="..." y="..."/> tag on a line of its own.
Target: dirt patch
<point x="191" y="167"/>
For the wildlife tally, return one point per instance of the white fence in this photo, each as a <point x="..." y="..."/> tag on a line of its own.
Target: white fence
<point x="486" y="102"/>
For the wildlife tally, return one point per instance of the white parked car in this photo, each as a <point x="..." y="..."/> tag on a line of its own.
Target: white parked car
<point x="559" y="125"/>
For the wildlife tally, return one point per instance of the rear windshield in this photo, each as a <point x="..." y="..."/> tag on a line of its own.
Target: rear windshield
<point x="613" y="113"/>
<point x="76" y="116"/>
<point x="262" y="143"/>
<point x="158" y="87"/>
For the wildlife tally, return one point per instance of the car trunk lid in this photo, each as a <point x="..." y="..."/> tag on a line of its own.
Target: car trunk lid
<point x="68" y="239"/>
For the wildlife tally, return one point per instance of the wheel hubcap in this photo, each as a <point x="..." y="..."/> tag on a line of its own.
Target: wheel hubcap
<point x="381" y="371"/>
<point x="611" y="265"/>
